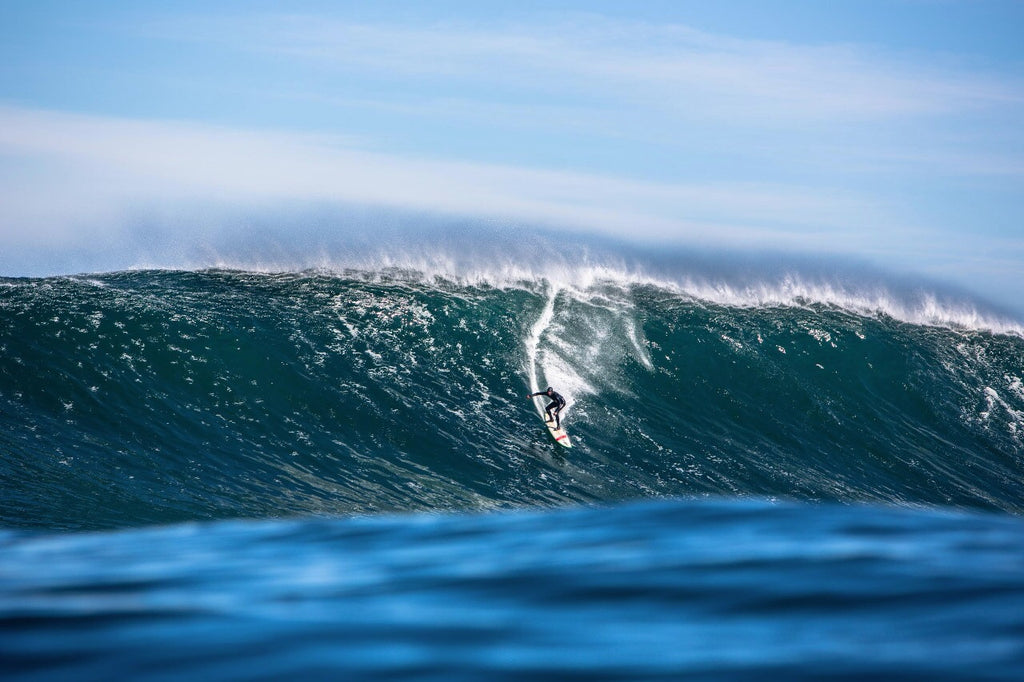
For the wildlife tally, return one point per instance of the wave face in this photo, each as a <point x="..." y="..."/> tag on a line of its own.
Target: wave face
<point x="151" y="397"/>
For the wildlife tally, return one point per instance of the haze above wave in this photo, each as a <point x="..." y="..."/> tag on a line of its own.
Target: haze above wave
<point x="502" y="255"/>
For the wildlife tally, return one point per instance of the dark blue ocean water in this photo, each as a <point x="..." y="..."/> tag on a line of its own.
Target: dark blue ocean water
<point x="658" y="590"/>
<point x="231" y="475"/>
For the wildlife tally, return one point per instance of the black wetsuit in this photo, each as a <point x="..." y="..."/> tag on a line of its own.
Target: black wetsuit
<point x="556" y="404"/>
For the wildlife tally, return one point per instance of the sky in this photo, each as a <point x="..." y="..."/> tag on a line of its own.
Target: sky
<point x="884" y="130"/>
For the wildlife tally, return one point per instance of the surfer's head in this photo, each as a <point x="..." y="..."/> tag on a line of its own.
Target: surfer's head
<point x="549" y="390"/>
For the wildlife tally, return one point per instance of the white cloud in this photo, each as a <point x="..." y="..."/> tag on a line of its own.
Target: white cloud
<point x="675" y="67"/>
<point x="821" y="109"/>
<point x="95" y="167"/>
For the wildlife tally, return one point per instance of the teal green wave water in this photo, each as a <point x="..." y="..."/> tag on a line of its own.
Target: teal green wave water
<point x="153" y="397"/>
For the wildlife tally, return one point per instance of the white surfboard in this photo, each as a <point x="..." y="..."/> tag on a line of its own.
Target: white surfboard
<point x="560" y="436"/>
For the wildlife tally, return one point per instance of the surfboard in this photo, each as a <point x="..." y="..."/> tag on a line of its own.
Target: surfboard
<point x="560" y="436"/>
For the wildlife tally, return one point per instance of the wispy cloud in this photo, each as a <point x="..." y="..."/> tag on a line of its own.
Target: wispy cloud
<point x="762" y="101"/>
<point x="147" y="161"/>
<point x="688" y="71"/>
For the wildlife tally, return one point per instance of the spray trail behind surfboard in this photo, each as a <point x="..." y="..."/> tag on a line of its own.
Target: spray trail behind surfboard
<point x="533" y="345"/>
<point x="532" y="355"/>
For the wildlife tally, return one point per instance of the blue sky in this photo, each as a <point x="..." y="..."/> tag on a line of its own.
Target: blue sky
<point x="888" y="130"/>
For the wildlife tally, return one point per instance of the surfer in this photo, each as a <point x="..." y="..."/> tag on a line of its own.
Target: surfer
<point x="554" y="407"/>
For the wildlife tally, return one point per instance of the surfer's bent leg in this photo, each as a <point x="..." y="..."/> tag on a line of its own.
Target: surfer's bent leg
<point x="553" y="409"/>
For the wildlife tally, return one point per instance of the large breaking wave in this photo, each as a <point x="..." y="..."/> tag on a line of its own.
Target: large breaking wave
<point x="149" y="396"/>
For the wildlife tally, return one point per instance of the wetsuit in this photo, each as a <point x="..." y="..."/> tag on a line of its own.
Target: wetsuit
<point x="556" y="404"/>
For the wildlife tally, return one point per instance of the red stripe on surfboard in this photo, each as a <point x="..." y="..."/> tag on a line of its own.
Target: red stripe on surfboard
<point x="564" y="435"/>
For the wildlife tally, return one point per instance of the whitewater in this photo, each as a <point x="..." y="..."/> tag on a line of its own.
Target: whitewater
<point x="255" y="472"/>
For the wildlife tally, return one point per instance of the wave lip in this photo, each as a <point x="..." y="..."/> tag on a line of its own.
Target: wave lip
<point x="918" y="307"/>
<point x="503" y="255"/>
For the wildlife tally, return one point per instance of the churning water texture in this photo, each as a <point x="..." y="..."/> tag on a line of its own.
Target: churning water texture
<point x="843" y="486"/>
